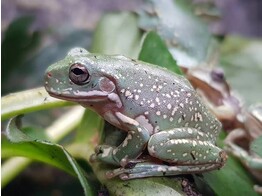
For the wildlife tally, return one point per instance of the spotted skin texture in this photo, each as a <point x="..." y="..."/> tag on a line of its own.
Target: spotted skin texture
<point x="157" y="108"/>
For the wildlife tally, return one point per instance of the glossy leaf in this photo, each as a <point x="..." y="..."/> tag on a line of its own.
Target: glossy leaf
<point x="187" y="37"/>
<point x="232" y="179"/>
<point x="117" y="33"/>
<point x="22" y="145"/>
<point x="28" y="101"/>
<point x="155" y="51"/>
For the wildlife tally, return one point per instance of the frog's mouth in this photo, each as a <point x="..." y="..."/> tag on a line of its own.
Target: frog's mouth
<point x="76" y="96"/>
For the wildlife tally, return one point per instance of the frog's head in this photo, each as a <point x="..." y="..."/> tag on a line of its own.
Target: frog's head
<point x="77" y="78"/>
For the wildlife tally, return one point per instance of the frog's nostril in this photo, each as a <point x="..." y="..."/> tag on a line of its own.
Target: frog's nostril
<point x="49" y="75"/>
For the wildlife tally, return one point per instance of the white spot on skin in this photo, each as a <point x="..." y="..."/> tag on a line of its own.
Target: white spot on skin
<point x="179" y="120"/>
<point x="168" y="96"/>
<point x="169" y="106"/>
<point x="141" y="85"/>
<point x="128" y="93"/>
<point x="171" y="132"/>
<point x="184" y="154"/>
<point x="125" y="142"/>
<point x="161" y="169"/>
<point x="136" y="97"/>
<point x="157" y="99"/>
<point x="152" y="105"/>
<point x="171" y="119"/>
<point x="174" y="110"/>
<point x="164" y="116"/>
<point x="151" y="150"/>
<point x="106" y="152"/>
<point x="158" y="113"/>
<point x="156" y="129"/>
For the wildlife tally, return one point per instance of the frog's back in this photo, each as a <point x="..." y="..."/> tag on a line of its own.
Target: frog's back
<point x="164" y="98"/>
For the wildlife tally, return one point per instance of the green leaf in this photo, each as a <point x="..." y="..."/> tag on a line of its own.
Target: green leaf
<point x="53" y="154"/>
<point x="91" y="124"/>
<point x="241" y="58"/>
<point x="18" y="41"/>
<point x="117" y="33"/>
<point x="155" y="51"/>
<point x="187" y="37"/>
<point x="232" y="179"/>
<point x="256" y="146"/>
<point x="28" y="101"/>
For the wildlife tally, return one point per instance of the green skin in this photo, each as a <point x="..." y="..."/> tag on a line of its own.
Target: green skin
<point x="157" y="108"/>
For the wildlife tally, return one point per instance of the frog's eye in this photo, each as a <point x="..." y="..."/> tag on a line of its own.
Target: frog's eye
<point x="78" y="74"/>
<point x="217" y="75"/>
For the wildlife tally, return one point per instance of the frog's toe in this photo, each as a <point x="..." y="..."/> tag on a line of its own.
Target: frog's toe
<point x="116" y="172"/>
<point x="93" y="158"/>
<point x="223" y="157"/>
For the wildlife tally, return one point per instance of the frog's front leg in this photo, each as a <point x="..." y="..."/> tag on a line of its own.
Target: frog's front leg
<point x="132" y="146"/>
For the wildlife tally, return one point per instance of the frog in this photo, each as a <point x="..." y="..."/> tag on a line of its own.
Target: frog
<point x="160" y="112"/>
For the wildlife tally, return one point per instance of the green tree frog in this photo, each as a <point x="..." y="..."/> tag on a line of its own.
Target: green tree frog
<point x="159" y="110"/>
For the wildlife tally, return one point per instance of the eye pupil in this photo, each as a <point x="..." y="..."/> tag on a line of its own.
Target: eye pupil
<point x="78" y="74"/>
<point x="77" y="71"/>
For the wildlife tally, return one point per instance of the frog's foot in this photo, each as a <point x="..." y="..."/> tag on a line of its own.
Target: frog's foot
<point x="104" y="153"/>
<point x="148" y="169"/>
<point x="186" y="147"/>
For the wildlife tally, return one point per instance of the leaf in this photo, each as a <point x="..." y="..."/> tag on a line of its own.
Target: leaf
<point x="28" y="101"/>
<point x="44" y="151"/>
<point x="155" y="51"/>
<point x="241" y="58"/>
<point x="232" y="179"/>
<point x="188" y="38"/>
<point x="18" y="42"/>
<point x="91" y="124"/>
<point x="117" y="33"/>
<point x="256" y="146"/>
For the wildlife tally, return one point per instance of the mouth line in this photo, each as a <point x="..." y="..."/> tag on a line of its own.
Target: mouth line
<point x="77" y="99"/>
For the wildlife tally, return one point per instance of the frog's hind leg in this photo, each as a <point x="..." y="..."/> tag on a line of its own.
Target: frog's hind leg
<point x="149" y="169"/>
<point x="186" y="147"/>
